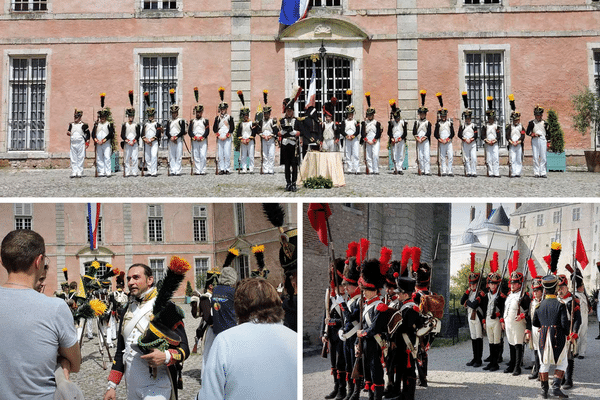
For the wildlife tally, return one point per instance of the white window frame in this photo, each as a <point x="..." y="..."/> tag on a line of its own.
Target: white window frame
<point x="540" y="219"/>
<point x="155" y="213"/>
<point x="12" y="4"/>
<point x="242" y="262"/>
<point x="576" y="214"/>
<point x="178" y="4"/>
<point x="199" y="214"/>
<point x="164" y="265"/>
<point x="98" y="231"/>
<point x="23" y="213"/>
<point x="323" y="4"/>
<point x="9" y="56"/>
<point x="522" y="221"/>
<point x="482" y="3"/>
<point x="202" y="270"/>
<point x="557" y="217"/>
<point x="240" y="218"/>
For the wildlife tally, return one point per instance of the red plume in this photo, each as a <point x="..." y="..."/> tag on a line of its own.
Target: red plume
<point x="416" y="258"/>
<point x="569" y="268"/>
<point x="510" y="266"/>
<point x="532" y="270"/>
<point x="515" y="260"/>
<point x="384" y="260"/>
<point x="494" y="262"/>
<point x="364" y="250"/>
<point x="334" y="101"/>
<point x="472" y="262"/>
<point x="548" y="260"/>
<point x="352" y="249"/>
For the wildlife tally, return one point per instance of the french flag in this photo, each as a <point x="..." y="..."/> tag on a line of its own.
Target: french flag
<point x="93" y="218"/>
<point x="292" y="11"/>
<point x="312" y="89"/>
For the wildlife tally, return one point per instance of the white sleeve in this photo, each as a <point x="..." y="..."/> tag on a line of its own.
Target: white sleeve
<point x="214" y="378"/>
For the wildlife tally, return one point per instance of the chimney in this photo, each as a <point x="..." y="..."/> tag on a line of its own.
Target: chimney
<point x="472" y="213"/>
<point x="517" y="205"/>
<point x="488" y="210"/>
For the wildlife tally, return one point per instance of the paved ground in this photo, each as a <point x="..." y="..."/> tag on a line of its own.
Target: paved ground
<point x="56" y="183"/>
<point x="449" y="378"/>
<point x="92" y="378"/>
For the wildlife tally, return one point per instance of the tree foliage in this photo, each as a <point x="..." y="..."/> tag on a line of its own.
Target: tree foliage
<point x="557" y="136"/>
<point x="587" y="110"/>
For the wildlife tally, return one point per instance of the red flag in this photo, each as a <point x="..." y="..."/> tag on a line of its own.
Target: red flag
<point x="580" y="254"/>
<point x="317" y="215"/>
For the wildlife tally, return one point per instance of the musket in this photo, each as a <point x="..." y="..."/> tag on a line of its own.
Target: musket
<point x="526" y="271"/>
<point x="504" y="269"/>
<point x="474" y="313"/>
<point x="143" y="153"/>
<point x="95" y="148"/>
<point x="571" y="345"/>
<point x="327" y="316"/>
<point x="359" y="358"/>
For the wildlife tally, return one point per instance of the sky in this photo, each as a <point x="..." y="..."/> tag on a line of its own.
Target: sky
<point x="461" y="214"/>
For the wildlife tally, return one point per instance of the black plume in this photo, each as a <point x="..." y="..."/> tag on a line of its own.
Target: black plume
<point x="275" y="213"/>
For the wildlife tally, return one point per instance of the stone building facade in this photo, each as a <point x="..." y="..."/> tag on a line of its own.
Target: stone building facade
<point x="151" y="234"/>
<point x="389" y="225"/>
<point x="58" y="55"/>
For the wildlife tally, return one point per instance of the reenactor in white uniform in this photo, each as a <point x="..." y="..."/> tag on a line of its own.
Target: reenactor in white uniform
<point x="199" y="131"/>
<point x="223" y="127"/>
<point x="79" y="134"/>
<point x="175" y="131"/>
<point x="397" y="132"/>
<point x="573" y="308"/>
<point x="329" y="126"/>
<point x="103" y="133"/>
<point x="532" y="334"/>
<point x="371" y="135"/>
<point x="245" y="133"/>
<point x="130" y="134"/>
<point x="513" y="321"/>
<point x="267" y="129"/>
<point x="515" y="137"/>
<point x="490" y="134"/>
<point x="422" y="134"/>
<point x="493" y="304"/>
<point x="444" y="133"/>
<point x="585" y="309"/>
<point x="350" y="130"/>
<point x="151" y="133"/>
<point x="472" y="300"/>
<point x="467" y="133"/>
<point x="538" y="130"/>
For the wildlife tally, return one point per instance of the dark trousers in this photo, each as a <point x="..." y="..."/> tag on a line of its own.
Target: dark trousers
<point x="349" y="355"/>
<point x="373" y="368"/>
<point x="336" y="352"/>
<point x="288" y="155"/>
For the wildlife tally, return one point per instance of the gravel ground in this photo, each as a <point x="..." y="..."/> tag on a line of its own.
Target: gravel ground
<point x="92" y="379"/>
<point x="56" y="183"/>
<point x="449" y="378"/>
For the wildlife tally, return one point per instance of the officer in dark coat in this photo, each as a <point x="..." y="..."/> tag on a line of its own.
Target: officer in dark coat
<point x="312" y="134"/>
<point x="289" y="136"/>
<point x="551" y="317"/>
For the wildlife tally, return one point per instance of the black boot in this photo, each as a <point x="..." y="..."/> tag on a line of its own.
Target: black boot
<point x="336" y="387"/>
<point x="371" y="393"/>
<point x="491" y="358"/>
<point x="358" y="385"/>
<point x="500" y="350"/>
<point x="545" y="385"/>
<point x="478" y="352"/>
<point x="536" y="366"/>
<point x="379" y="392"/>
<point x="350" y="389"/>
<point x="556" y="388"/>
<point x="511" y="364"/>
<point x="474" y="347"/>
<point x="518" y="359"/>
<point x="408" y="391"/>
<point x="342" y="386"/>
<point x="569" y="375"/>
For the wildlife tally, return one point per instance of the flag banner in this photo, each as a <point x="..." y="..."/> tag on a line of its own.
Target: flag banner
<point x="312" y="89"/>
<point x="318" y="213"/>
<point x="580" y="254"/>
<point x="292" y="11"/>
<point x="93" y="219"/>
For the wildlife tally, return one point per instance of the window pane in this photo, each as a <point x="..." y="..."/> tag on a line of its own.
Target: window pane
<point x="158" y="269"/>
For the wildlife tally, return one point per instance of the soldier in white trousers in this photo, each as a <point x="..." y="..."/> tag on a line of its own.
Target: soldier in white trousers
<point x="422" y="134"/>
<point x="467" y="133"/>
<point x="267" y="129"/>
<point x="371" y="135"/>
<point x="538" y="130"/>
<point x="103" y="133"/>
<point x="515" y="136"/>
<point x="490" y="134"/>
<point x="350" y="130"/>
<point x="584" y="311"/>
<point x="514" y="322"/>
<point x="472" y="300"/>
<point x="329" y="128"/>
<point x="223" y="127"/>
<point x="79" y="134"/>
<point x="532" y="334"/>
<point x="246" y="134"/>
<point x="199" y="131"/>
<point x="397" y="132"/>
<point x="174" y="131"/>
<point x="151" y="133"/>
<point x="494" y="308"/>
<point x="444" y="133"/>
<point x="130" y="134"/>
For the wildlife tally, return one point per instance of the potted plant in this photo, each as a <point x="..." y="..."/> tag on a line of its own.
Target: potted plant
<point x="188" y="292"/>
<point x="587" y="116"/>
<point x="556" y="158"/>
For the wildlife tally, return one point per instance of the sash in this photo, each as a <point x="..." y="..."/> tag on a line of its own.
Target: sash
<point x="366" y="315"/>
<point x="138" y="315"/>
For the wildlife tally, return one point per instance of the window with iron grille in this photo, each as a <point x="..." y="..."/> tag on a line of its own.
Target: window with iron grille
<point x="157" y="265"/>
<point x="29" y="5"/>
<point x="27" y="93"/>
<point x="155" y="217"/>
<point x="484" y="76"/>
<point x="159" y="5"/>
<point x="242" y="265"/>
<point x="521" y="222"/>
<point x="101" y="269"/>
<point x="98" y="231"/>
<point x="157" y="76"/>
<point x="200" y="221"/>
<point x="240" y="219"/>
<point x="333" y="77"/>
<point x="327" y="3"/>
<point x="200" y="268"/>
<point x="597" y="88"/>
<point x="557" y="217"/>
<point x="576" y="214"/>
<point x="480" y="2"/>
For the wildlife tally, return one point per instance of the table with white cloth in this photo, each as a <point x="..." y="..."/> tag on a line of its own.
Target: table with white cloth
<point x="326" y="164"/>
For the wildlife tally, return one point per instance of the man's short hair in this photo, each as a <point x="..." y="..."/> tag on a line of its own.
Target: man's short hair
<point x="147" y="270"/>
<point x="257" y="300"/>
<point x="20" y="248"/>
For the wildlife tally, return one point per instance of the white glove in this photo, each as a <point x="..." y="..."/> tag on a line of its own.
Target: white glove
<point x="341" y="335"/>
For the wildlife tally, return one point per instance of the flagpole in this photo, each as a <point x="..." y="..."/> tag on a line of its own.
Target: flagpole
<point x="330" y="247"/>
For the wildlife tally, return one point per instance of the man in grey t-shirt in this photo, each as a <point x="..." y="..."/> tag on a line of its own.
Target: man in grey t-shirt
<point x="36" y="330"/>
